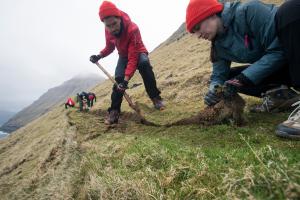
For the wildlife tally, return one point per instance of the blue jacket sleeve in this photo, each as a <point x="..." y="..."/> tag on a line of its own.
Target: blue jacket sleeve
<point x="220" y="73"/>
<point x="260" y="20"/>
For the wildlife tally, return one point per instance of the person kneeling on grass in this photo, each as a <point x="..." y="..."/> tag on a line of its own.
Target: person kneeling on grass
<point x="122" y="33"/>
<point x="69" y="103"/>
<point x="246" y="33"/>
<point x="92" y="98"/>
<point x="83" y="100"/>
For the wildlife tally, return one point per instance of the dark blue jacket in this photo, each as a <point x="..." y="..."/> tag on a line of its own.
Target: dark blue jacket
<point x="249" y="37"/>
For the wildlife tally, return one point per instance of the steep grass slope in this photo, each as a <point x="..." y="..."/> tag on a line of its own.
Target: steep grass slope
<point x="72" y="155"/>
<point x="37" y="160"/>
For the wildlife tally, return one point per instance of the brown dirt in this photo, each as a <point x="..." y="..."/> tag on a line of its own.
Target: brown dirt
<point x="128" y="116"/>
<point x="227" y="110"/>
<point x="8" y="170"/>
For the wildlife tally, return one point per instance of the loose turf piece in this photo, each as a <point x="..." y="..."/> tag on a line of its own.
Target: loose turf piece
<point x="227" y="110"/>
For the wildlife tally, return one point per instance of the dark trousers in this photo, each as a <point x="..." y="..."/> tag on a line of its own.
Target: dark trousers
<point x="288" y="31"/>
<point x="91" y="103"/>
<point x="145" y="69"/>
<point x="281" y="77"/>
<point x="68" y="105"/>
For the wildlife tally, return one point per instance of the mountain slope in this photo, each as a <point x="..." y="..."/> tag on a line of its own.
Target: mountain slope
<point x="48" y="100"/>
<point x="5" y="116"/>
<point x="72" y="155"/>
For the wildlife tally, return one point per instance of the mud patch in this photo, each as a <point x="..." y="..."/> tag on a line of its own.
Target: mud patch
<point x="8" y="170"/>
<point x="228" y="110"/>
<point x="54" y="154"/>
<point x="124" y="116"/>
<point x="11" y="144"/>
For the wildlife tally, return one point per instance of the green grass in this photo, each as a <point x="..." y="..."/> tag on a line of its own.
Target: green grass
<point x="134" y="161"/>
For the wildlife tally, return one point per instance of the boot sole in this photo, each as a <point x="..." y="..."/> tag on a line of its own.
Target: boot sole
<point x="283" y="134"/>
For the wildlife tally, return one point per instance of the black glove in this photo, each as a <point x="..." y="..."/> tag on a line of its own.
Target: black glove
<point x="121" y="87"/>
<point x="211" y="98"/>
<point x="232" y="86"/>
<point x="95" y="58"/>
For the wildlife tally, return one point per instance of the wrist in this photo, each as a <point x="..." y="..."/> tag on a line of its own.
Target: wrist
<point x="125" y="83"/>
<point x="214" y="87"/>
<point x="244" y="80"/>
<point x="127" y="78"/>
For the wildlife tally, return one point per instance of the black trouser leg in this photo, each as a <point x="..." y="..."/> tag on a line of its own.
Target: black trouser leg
<point x="116" y="97"/>
<point x="80" y="105"/>
<point x="145" y="69"/>
<point x="287" y="21"/>
<point x="147" y="74"/>
<point x="281" y="77"/>
<point x="290" y="40"/>
<point x="92" y="103"/>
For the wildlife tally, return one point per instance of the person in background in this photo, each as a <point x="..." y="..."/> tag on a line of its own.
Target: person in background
<point x="83" y="100"/>
<point x="69" y="103"/>
<point x="92" y="98"/>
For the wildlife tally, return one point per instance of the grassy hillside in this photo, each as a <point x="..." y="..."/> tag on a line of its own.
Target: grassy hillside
<point x="72" y="155"/>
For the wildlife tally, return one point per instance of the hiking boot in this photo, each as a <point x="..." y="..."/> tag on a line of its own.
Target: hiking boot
<point x="158" y="103"/>
<point x="112" y="118"/>
<point x="277" y="100"/>
<point x="290" y="128"/>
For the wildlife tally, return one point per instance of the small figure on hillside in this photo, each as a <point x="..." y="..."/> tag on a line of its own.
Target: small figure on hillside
<point x="69" y="103"/>
<point x="83" y="100"/>
<point x="92" y="99"/>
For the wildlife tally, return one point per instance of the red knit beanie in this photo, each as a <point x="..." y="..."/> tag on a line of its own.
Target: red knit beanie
<point x="199" y="10"/>
<point x="108" y="9"/>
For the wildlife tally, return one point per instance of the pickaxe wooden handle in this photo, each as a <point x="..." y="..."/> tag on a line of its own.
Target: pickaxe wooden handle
<point x="127" y="97"/>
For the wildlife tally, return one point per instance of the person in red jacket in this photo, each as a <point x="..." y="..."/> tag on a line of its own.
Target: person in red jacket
<point x="123" y="34"/>
<point x="69" y="103"/>
<point x="92" y="98"/>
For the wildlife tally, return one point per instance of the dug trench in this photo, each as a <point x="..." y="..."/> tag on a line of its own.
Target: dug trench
<point x="228" y="110"/>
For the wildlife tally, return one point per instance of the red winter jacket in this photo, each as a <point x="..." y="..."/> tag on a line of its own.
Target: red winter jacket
<point x="70" y="102"/>
<point x="129" y="44"/>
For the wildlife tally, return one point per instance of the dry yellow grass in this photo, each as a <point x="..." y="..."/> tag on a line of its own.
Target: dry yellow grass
<point x="36" y="160"/>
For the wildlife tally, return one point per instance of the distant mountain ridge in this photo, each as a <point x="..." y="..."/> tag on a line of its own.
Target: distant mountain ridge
<point x="5" y="116"/>
<point x="51" y="98"/>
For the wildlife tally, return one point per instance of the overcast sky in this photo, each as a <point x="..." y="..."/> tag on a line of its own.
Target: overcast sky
<point x="46" y="42"/>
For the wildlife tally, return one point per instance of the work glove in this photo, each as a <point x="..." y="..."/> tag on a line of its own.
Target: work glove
<point x="234" y="85"/>
<point x="95" y="58"/>
<point x="211" y="98"/>
<point x="121" y="87"/>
